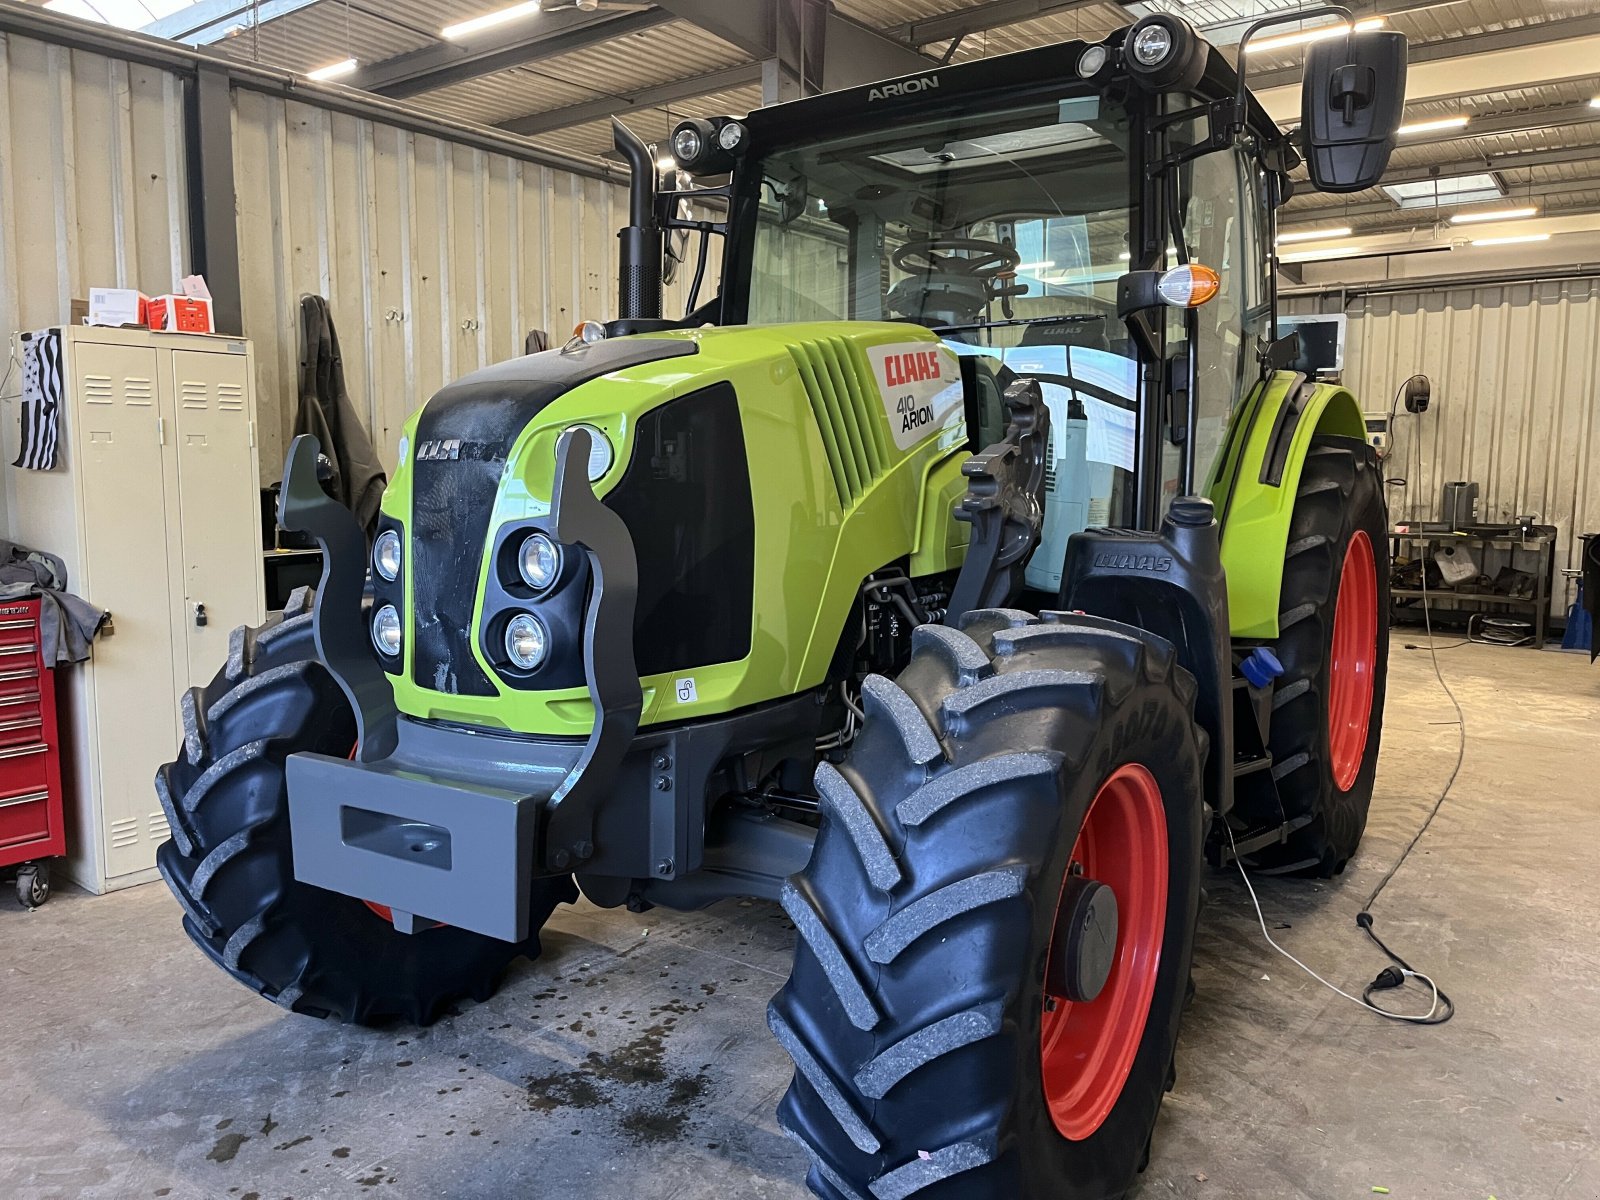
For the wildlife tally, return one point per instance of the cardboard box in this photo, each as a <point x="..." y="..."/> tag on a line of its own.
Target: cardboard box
<point x="116" y="307"/>
<point x="180" y="314"/>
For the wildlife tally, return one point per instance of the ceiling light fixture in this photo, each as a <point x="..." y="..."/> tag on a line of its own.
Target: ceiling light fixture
<point x="467" y="28"/>
<point x="1318" y="255"/>
<point x="1496" y="214"/>
<point x="1318" y="34"/>
<point x="1312" y="235"/>
<point x="1595" y="103"/>
<point x="1036" y="266"/>
<point x="1507" y="241"/>
<point x="334" y="70"/>
<point x="1432" y="125"/>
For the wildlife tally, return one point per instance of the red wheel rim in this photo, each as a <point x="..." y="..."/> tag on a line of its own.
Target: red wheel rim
<point x="1086" y="1049"/>
<point x="1353" y="661"/>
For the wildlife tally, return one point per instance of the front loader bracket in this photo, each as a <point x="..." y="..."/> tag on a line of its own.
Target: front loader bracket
<point x="337" y="621"/>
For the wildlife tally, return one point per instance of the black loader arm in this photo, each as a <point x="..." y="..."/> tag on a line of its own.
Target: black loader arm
<point x="1004" y="505"/>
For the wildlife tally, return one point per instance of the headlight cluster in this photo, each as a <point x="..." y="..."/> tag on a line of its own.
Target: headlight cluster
<point x="386" y="625"/>
<point x="533" y="605"/>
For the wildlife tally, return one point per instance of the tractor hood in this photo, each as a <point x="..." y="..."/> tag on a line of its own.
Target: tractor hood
<point x="762" y="472"/>
<point x="462" y="442"/>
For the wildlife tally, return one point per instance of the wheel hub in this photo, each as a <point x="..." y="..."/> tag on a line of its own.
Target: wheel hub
<point x="1085" y="944"/>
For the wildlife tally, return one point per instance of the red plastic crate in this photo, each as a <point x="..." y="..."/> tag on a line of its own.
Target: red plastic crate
<point x="30" y="749"/>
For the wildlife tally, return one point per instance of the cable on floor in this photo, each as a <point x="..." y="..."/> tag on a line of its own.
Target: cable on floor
<point x="1441" y="1009"/>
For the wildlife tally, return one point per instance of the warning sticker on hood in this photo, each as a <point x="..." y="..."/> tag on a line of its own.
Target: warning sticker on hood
<point x="921" y="388"/>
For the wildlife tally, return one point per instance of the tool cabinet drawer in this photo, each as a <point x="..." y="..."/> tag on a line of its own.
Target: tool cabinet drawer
<point x="26" y="812"/>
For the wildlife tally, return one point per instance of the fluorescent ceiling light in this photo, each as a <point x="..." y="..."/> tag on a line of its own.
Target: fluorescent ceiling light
<point x="1036" y="266"/>
<point x="1456" y="189"/>
<point x="1493" y="214"/>
<point x="1507" y="241"/>
<point x="1125" y="256"/>
<point x="334" y="70"/>
<point x="1321" y="33"/>
<point x="1317" y="255"/>
<point x="666" y="163"/>
<point x="1430" y="126"/>
<point x="501" y="16"/>
<point x="124" y="14"/>
<point x="1595" y="103"/>
<point x="1312" y="235"/>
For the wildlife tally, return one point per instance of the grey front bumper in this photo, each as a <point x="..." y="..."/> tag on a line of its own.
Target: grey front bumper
<point x="444" y="828"/>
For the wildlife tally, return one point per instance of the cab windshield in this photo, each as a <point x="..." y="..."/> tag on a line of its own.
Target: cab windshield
<point x="964" y="223"/>
<point x="1005" y="232"/>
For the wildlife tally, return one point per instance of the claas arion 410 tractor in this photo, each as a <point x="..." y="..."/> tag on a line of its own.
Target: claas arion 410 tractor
<point x="961" y="576"/>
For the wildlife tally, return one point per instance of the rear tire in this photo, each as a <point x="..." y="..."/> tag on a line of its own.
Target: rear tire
<point x="928" y="911"/>
<point x="229" y="863"/>
<point x="1321" y="774"/>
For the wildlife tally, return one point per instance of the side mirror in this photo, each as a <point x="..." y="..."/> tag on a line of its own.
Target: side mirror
<point x="1350" y="107"/>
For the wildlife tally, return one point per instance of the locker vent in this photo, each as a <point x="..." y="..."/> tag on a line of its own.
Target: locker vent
<point x="97" y="389"/>
<point x="160" y="831"/>
<point x="1050" y="463"/>
<point x="230" y="397"/>
<point x="192" y="394"/>
<point x="138" y="391"/>
<point x="843" y="398"/>
<point x="125" y="833"/>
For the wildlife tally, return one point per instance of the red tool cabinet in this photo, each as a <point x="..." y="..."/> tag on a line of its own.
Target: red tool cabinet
<point x="30" y="759"/>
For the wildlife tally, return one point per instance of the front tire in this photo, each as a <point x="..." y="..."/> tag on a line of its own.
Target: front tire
<point x="230" y="866"/>
<point x="927" y="1064"/>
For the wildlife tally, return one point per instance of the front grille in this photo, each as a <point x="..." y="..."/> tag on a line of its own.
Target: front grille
<point x="843" y="398"/>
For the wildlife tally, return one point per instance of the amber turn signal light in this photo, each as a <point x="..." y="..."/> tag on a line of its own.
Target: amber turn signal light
<point x="1188" y="286"/>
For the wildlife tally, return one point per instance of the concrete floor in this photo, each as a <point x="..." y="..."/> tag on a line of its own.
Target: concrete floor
<point x="632" y="1061"/>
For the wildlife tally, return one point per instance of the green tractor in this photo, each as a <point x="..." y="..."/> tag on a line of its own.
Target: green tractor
<point x="961" y="576"/>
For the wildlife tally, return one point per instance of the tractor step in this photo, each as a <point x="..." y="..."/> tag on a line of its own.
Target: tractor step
<point x="1224" y="851"/>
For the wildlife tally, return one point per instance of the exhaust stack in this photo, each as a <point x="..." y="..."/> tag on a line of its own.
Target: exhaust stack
<point x="639" y="273"/>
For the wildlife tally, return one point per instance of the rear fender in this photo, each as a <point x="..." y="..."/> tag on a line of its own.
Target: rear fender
<point x="1256" y="482"/>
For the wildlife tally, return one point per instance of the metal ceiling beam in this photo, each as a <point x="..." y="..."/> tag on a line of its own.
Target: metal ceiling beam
<point x="438" y="66"/>
<point x="978" y="17"/>
<point x="742" y="75"/>
<point x="1340" y="214"/>
<point x="208" y="21"/>
<point x="1512" y="160"/>
<point x="748" y="24"/>
<point x="1501" y="124"/>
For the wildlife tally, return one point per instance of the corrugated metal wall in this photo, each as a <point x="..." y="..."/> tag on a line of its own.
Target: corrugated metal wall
<point x="92" y="188"/>
<point x="1516" y="403"/>
<point x="436" y="258"/>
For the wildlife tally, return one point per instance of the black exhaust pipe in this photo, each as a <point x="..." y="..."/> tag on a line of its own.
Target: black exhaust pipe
<point x="639" y="275"/>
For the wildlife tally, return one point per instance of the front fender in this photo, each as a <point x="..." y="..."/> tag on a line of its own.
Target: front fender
<point x="1257" y="480"/>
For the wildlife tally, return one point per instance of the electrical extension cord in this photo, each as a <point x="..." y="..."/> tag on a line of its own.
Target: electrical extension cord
<point x="1434" y="1015"/>
<point x="1442" y="1008"/>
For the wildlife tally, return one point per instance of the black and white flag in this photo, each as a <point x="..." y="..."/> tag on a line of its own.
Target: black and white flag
<point x="41" y="399"/>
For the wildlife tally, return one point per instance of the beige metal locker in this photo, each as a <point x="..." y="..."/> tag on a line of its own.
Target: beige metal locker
<point x="155" y="510"/>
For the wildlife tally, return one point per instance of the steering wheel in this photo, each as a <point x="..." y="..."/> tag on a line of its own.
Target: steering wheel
<point x="969" y="258"/>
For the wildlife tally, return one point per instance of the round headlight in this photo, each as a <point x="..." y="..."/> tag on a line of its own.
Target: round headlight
<point x="731" y="135"/>
<point x="386" y="631"/>
<point x="386" y="554"/>
<point x="600" y="452"/>
<point x="686" y="144"/>
<point x="1152" y="45"/>
<point x="1090" y="62"/>
<point x="539" y="561"/>
<point x="526" y="641"/>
